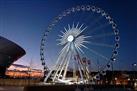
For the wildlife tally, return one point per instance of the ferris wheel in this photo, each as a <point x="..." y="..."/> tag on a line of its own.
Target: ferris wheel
<point x="78" y="41"/>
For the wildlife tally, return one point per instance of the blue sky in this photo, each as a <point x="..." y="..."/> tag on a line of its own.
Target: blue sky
<point x="24" y="21"/>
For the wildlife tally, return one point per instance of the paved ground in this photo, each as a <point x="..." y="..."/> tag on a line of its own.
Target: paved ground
<point x="10" y="88"/>
<point x="61" y="87"/>
<point x="5" y="88"/>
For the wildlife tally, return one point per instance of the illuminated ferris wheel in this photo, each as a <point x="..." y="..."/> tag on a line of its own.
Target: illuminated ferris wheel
<point x="78" y="41"/>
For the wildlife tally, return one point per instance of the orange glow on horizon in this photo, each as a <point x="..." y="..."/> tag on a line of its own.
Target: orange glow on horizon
<point x="21" y="71"/>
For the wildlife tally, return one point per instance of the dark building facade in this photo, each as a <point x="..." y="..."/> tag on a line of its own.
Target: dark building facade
<point x="9" y="52"/>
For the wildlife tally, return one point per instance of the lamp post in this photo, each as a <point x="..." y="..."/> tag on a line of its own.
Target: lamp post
<point x="134" y="69"/>
<point x="134" y="65"/>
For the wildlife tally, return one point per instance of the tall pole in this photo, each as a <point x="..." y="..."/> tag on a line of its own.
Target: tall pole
<point x="112" y="68"/>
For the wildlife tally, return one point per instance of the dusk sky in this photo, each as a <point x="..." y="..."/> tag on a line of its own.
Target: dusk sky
<point x="24" y="22"/>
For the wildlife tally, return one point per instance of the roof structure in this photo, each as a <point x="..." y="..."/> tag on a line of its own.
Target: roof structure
<point x="9" y="52"/>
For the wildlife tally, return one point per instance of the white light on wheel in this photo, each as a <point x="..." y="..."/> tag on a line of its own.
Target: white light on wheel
<point x="70" y="38"/>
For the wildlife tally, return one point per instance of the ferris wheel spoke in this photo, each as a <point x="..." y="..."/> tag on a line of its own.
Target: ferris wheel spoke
<point x="94" y="21"/>
<point x="81" y="26"/>
<point x="102" y="26"/>
<point x="86" y="42"/>
<point x="77" y="25"/>
<point x="81" y="17"/>
<point x="73" y="25"/>
<point x="101" y="44"/>
<point x="80" y="50"/>
<point x="104" y="57"/>
<point x="60" y="36"/>
<point x="98" y="54"/>
<point x="85" y="55"/>
<point x="83" y="29"/>
<point x="102" y="35"/>
<point x="95" y="52"/>
<point x="86" y="19"/>
<point x="82" y="45"/>
<point x="65" y="29"/>
<point x="68" y="27"/>
<point x="62" y="32"/>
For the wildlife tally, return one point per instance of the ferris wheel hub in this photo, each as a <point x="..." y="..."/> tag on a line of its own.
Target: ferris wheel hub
<point x="70" y="38"/>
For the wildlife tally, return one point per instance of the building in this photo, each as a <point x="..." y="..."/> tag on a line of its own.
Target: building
<point x="9" y="52"/>
<point x="21" y="71"/>
<point x="119" y="78"/>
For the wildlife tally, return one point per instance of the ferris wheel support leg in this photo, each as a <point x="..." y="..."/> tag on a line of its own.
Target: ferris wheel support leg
<point x="45" y="80"/>
<point x="59" y="61"/>
<point x="64" y="75"/>
<point x="55" y="66"/>
<point x="87" y="72"/>
<point x="82" y="68"/>
<point x="60" y="69"/>
<point x="65" y="70"/>
<point x="57" y="71"/>
<point x="74" y="70"/>
<point x="63" y="66"/>
<point x="80" y="71"/>
<point x="80" y="65"/>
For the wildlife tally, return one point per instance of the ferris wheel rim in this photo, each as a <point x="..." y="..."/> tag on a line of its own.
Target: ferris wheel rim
<point x="85" y="8"/>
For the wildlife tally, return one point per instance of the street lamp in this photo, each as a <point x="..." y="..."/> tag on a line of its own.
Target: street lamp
<point x="134" y="64"/>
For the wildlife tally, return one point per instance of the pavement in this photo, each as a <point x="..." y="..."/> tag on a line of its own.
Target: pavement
<point x="10" y="88"/>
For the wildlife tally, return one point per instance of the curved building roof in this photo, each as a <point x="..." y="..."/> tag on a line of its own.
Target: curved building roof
<point x="9" y="52"/>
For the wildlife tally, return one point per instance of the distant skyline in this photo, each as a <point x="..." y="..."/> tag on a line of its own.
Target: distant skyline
<point x="24" y="22"/>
